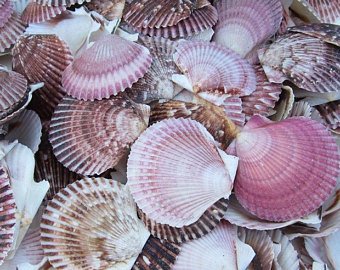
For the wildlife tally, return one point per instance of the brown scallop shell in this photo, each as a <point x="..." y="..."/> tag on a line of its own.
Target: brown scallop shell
<point x="36" y="13"/>
<point x="328" y="10"/>
<point x="91" y="137"/>
<point x="111" y="10"/>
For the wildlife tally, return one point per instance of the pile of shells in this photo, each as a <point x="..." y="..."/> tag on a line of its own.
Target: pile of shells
<point x="185" y="135"/>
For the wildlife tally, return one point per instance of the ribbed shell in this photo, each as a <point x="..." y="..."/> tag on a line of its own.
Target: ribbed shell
<point x="307" y="61"/>
<point x="6" y="10"/>
<point x="58" y="3"/>
<point x="207" y="222"/>
<point x="7" y="214"/>
<point x="111" y="10"/>
<point x="91" y="137"/>
<point x="305" y="11"/>
<point x="287" y="169"/>
<point x="175" y="172"/>
<point x="328" y="10"/>
<point x="263" y="99"/>
<point x="330" y="112"/>
<point x="244" y="24"/>
<point x="92" y="224"/>
<point x="156" y="83"/>
<point x="211" y="67"/>
<point x="157" y="14"/>
<point x="35" y="13"/>
<point x="110" y="66"/>
<point x="157" y="254"/>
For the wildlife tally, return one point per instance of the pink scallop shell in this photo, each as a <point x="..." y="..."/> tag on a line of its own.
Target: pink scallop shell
<point x="287" y="169"/>
<point x="177" y="197"/>
<point x="211" y="67"/>
<point x="94" y="76"/>
<point x="328" y="10"/>
<point x="35" y="13"/>
<point x="244" y="24"/>
<point x="6" y="10"/>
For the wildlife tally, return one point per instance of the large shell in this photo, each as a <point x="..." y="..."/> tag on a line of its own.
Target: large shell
<point x="93" y="76"/>
<point x="202" y="64"/>
<point x="156" y="83"/>
<point x="91" y="137"/>
<point x="7" y="214"/>
<point x="244" y="24"/>
<point x="35" y="13"/>
<point x="307" y="61"/>
<point x="328" y="10"/>
<point x="92" y="224"/>
<point x="172" y="190"/>
<point x="287" y="169"/>
<point x="220" y="249"/>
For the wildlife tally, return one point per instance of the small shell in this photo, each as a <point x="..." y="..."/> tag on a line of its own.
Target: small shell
<point x="329" y="11"/>
<point x="92" y="75"/>
<point x="7" y="215"/>
<point x="157" y="254"/>
<point x="263" y="99"/>
<point x="244" y="24"/>
<point x="202" y="64"/>
<point x="330" y="113"/>
<point x="91" y="137"/>
<point x="35" y="13"/>
<point x="284" y="105"/>
<point x="287" y="169"/>
<point x="178" y="197"/>
<point x="307" y="61"/>
<point x="96" y="219"/>
<point x="111" y="10"/>
<point x="161" y="13"/>
<point x="220" y="249"/>
<point x="6" y="10"/>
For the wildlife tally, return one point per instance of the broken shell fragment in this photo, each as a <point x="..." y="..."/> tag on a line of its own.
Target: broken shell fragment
<point x="111" y="10"/>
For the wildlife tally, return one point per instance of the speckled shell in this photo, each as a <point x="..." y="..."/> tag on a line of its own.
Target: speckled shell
<point x="328" y="10"/>
<point x="7" y="214"/>
<point x="91" y="137"/>
<point x="307" y="61"/>
<point x="57" y="3"/>
<point x="93" y="76"/>
<point x="212" y="67"/>
<point x="244" y="24"/>
<point x="96" y="219"/>
<point x="157" y="14"/>
<point x="111" y="10"/>
<point x="287" y="169"/>
<point x="178" y="197"/>
<point x="35" y="13"/>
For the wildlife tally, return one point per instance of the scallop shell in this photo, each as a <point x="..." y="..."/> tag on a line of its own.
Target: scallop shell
<point x="220" y="249"/>
<point x="96" y="219"/>
<point x="301" y="108"/>
<point x="207" y="222"/>
<point x="58" y="3"/>
<point x="111" y="10"/>
<point x="187" y="192"/>
<point x="92" y="75"/>
<point x="6" y="10"/>
<point x="35" y="13"/>
<point x="284" y="105"/>
<point x="263" y="99"/>
<point x="299" y="145"/>
<point x="305" y="11"/>
<point x="7" y="215"/>
<point x="156" y="83"/>
<point x="107" y="127"/>
<point x="199" y="21"/>
<point x="201" y="63"/>
<point x="244" y="24"/>
<point x="205" y="35"/>
<point x="156" y="14"/>
<point x="157" y="254"/>
<point x="329" y="11"/>
<point x="330" y="113"/>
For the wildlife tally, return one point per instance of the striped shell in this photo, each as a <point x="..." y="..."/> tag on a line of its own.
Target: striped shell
<point x="35" y="13"/>
<point x="111" y="10"/>
<point x="6" y="10"/>
<point x="330" y="112"/>
<point x="328" y="10"/>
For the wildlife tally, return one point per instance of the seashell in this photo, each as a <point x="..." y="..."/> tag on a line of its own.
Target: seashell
<point x="92" y="75"/>
<point x="263" y="99"/>
<point x="244" y="24"/>
<point x="111" y="10"/>
<point x="308" y="62"/>
<point x="207" y="222"/>
<point x="26" y="128"/>
<point x="329" y="11"/>
<point x="158" y="14"/>
<point x="76" y="132"/>
<point x="36" y="13"/>
<point x="201" y="64"/>
<point x="199" y="21"/>
<point x="7" y="215"/>
<point x="187" y="193"/>
<point x="301" y="108"/>
<point x="157" y="254"/>
<point x="284" y="105"/>
<point x="221" y="248"/>
<point x="11" y="30"/>
<point x="305" y="11"/>
<point x="156" y="83"/>
<point x="6" y="10"/>
<point x="330" y="113"/>
<point x="265" y="147"/>
<point x="112" y="239"/>
<point x="205" y="35"/>
<point x="57" y="3"/>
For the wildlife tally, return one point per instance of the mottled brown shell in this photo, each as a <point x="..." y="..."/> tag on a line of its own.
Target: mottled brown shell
<point x="111" y="10"/>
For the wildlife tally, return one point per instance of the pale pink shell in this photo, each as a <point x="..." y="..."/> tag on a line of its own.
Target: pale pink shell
<point x="6" y="10"/>
<point x="110" y="66"/>
<point x="287" y="169"/>
<point x="36" y="13"/>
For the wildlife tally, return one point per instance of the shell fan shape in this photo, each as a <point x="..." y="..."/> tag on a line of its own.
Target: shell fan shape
<point x="110" y="66"/>
<point x="35" y="13"/>
<point x="91" y="137"/>
<point x="175" y="172"/>
<point x="11" y="30"/>
<point x="287" y="169"/>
